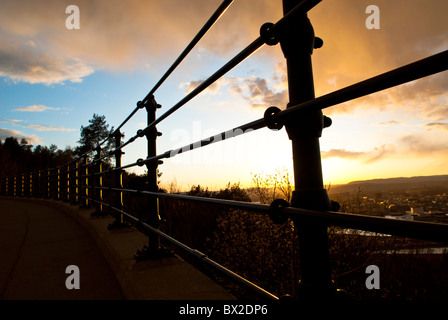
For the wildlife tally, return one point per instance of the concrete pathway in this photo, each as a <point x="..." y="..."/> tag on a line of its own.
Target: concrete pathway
<point x="40" y="238"/>
<point x="37" y="244"/>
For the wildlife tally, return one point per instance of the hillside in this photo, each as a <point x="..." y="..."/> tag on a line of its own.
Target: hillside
<point x="437" y="183"/>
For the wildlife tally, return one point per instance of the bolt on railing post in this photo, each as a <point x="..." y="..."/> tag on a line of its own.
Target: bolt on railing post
<point x="298" y="41"/>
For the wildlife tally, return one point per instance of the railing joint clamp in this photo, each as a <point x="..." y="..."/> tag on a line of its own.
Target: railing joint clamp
<point x="268" y="35"/>
<point x="269" y="118"/>
<point x="275" y="214"/>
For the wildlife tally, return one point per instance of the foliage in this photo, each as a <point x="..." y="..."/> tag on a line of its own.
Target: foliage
<point x="230" y="192"/>
<point x="268" y="187"/>
<point x="93" y="134"/>
<point x="20" y="157"/>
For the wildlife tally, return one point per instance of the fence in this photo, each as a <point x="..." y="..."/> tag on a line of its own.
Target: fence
<point x="311" y="209"/>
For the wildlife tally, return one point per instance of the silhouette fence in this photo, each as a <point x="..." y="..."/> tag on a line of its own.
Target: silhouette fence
<point x="81" y="181"/>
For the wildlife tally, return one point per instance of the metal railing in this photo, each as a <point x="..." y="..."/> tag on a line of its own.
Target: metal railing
<point x="311" y="208"/>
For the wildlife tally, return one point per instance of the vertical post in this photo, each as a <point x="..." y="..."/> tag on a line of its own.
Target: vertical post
<point x="119" y="221"/>
<point x="297" y="42"/>
<point x="39" y="184"/>
<point x="15" y="186"/>
<point x="151" y="136"/>
<point x="67" y="183"/>
<point x="85" y="182"/>
<point x="97" y="183"/>
<point x="58" y="183"/>
<point x="31" y="190"/>
<point x="154" y="249"/>
<point x="22" y="184"/>
<point x="48" y="183"/>
<point x="77" y="182"/>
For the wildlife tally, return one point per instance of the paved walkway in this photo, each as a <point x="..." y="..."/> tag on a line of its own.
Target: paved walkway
<point x="40" y="238"/>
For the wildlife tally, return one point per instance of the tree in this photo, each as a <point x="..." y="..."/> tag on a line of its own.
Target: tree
<point x="19" y="157"/>
<point x="94" y="134"/>
<point x="233" y="192"/>
<point x="266" y="187"/>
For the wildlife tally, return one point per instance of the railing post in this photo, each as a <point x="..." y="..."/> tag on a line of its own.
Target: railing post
<point x="73" y="182"/>
<point x="68" y="183"/>
<point x="5" y="187"/>
<point x="84" y="188"/>
<point x="76" y="185"/>
<point x="51" y="183"/>
<point x="154" y="249"/>
<point x="39" y="184"/>
<point x="298" y="41"/>
<point x="48" y="184"/>
<point x="119" y="221"/>
<point x="15" y="186"/>
<point x="97" y="183"/>
<point x="22" y="185"/>
<point x="58" y="184"/>
<point x="31" y="189"/>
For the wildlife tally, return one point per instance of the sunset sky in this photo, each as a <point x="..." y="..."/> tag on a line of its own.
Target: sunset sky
<point x="52" y="81"/>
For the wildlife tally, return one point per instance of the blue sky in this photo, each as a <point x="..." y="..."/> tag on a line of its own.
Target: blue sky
<point x="52" y="81"/>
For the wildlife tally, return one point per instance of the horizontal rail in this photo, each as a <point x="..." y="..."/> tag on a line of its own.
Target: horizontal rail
<point x="411" y="229"/>
<point x="59" y="186"/>
<point x="210" y="22"/>
<point x="302" y="8"/>
<point x="196" y="253"/>
<point x="216" y="15"/>
<point x="245" y="53"/>
<point x="413" y="71"/>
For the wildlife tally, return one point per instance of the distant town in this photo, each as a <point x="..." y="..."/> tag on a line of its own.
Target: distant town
<point x="417" y="198"/>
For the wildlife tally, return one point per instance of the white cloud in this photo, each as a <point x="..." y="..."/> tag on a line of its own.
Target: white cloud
<point x="12" y="121"/>
<point x="34" y="108"/>
<point x="22" y="61"/>
<point x="370" y="156"/>
<point x="7" y="133"/>
<point x="48" y="128"/>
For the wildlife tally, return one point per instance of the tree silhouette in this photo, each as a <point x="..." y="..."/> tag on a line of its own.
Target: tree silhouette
<point x="93" y="135"/>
